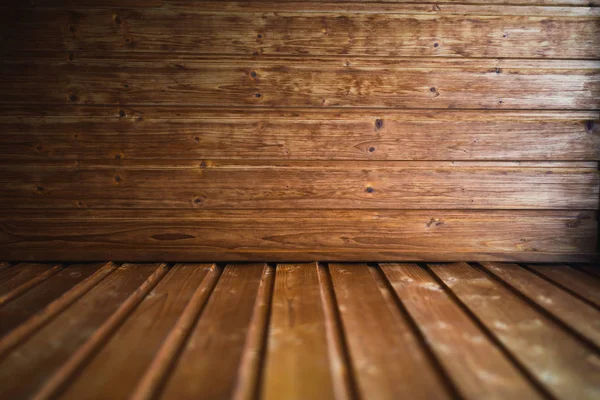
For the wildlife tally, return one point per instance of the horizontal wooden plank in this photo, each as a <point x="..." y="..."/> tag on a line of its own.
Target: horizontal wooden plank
<point x="294" y="235"/>
<point x="212" y="184"/>
<point x="316" y="29"/>
<point x="296" y="82"/>
<point x="303" y="134"/>
<point x="192" y="4"/>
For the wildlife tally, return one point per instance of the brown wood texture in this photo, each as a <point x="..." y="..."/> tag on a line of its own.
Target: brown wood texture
<point x="228" y="81"/>
<point x="208" y="365"/>
<point x="315" y="29"/>
<point x="565" y="370"/>
<point x="298" y="234"/>
<point x="152" y="320"/>
<point x="212" y="184"/>
<point x="332" y="331"/>
<point x="575" y="281"/>
<point x="57" y="133"/>
<point x="19" y="310"/>
<point x="294" y="131"/>
<point x="25" y="369"/>
<point x="297" y="342"/>
<point x="473" y="362"/>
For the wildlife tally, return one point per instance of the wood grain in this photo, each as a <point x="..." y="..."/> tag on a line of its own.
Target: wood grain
<point x="34" y="301"/>
<point x="186" y="4"/>
<point x="296" y="234"/>
<point x="573" y="280"/>
<point x="12" y="278"/>
<point x="578" y="315"/>
<point x="387" y="359"/>
<point x="209" y="184"/>
<point x="300" y="134"/>
<point x="559" y="362"/>
<point x="152" y="320"/>
<point x="208" y="365"/>
<point x="296" y="82"/>
<point x="24" y="370"/>
<point x="297" y="342"/>
<point x="473" y="362"/>
<point x="311" y="29"/>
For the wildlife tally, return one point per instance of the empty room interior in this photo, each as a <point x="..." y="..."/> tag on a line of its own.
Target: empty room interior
<point x="280" y="199"/>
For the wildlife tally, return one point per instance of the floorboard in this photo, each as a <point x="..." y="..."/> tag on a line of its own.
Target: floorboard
<point x="315" y="330"/>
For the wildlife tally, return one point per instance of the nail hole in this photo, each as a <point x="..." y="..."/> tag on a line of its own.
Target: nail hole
<point x="370" y="190"/>
<point x="259" y="36"/>
<point x="257" y="95"/>
<point x="117" y="19"/>
<point x="122" y="113"/>
<point x="197" y="200"/>
<point x="371" y="149"/>
<point x="117" y="157"/>
<point x="589" y="126"/>
<point x="498" y="70"/>
<point x="196" y="139"/>
<point x="436" y="44"/>
<point x="432" y="90"/>
<point x="378" y="123"/>
<point x="253" y="74"/>
<point x="117" y="179"/>
<point x="73" y="98"/>
<point x="202" y="164"/>
<point x="39" y="188"/>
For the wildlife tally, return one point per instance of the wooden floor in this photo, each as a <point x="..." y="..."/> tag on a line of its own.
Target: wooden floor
<point x="299" y="331"/>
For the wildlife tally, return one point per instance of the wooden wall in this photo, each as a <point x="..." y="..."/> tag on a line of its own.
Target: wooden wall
<point x="277" y="130"/>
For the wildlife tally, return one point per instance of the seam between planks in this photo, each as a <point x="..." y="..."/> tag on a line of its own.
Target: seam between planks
<point x="251" y="367"/>
<point x="30" y="284"/>
<point x="537" y="307"/>
<point x="37" y="321"/>
<point x="490" y="335"/>
<point x="445" y="378"/>
<point x="561" y="286"/>
<point x="84" y="353"/>
<point x="159" y="370"/>
<point x="344" y="385"/>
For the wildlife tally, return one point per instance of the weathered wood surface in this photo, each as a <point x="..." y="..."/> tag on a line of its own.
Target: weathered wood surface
<point x="80" y="133"/>
<point x="297" y="340"/>
<point x="342" y="331"/>
<point x="208" y="364"/>
<point x="19" y="310"/>
<point x="297" y="82"/>
<point x="315" y="29"/>
<point x="579" y="316"/>
<point x="293" y="4"/>
<point x="379" y="336"/>
<point x="473" y="362"/>
<point x="24" y="370"/>
<point x="299" y="131"/>
<point x="210" y="184"/>
<point x="574" y="280"/>
<point x="181" y="235"/>
<point x="153" y="320"/>
<point x="559" y="362"/>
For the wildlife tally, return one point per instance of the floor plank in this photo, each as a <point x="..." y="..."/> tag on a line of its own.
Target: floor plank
<point x="575" y="313"/>
<point x="24" y="370"/>
<point x="208" y="365"/>
<point x="35" y="300"/>
<point x="297" y="342"/>
<point x="571" y="279"/>
<point x="12" y="278"/>
<point x="473" y="362"/>
<point x="560" y="363"/>
<point x="152" y="320"/>
<point x="387" y="359"/>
